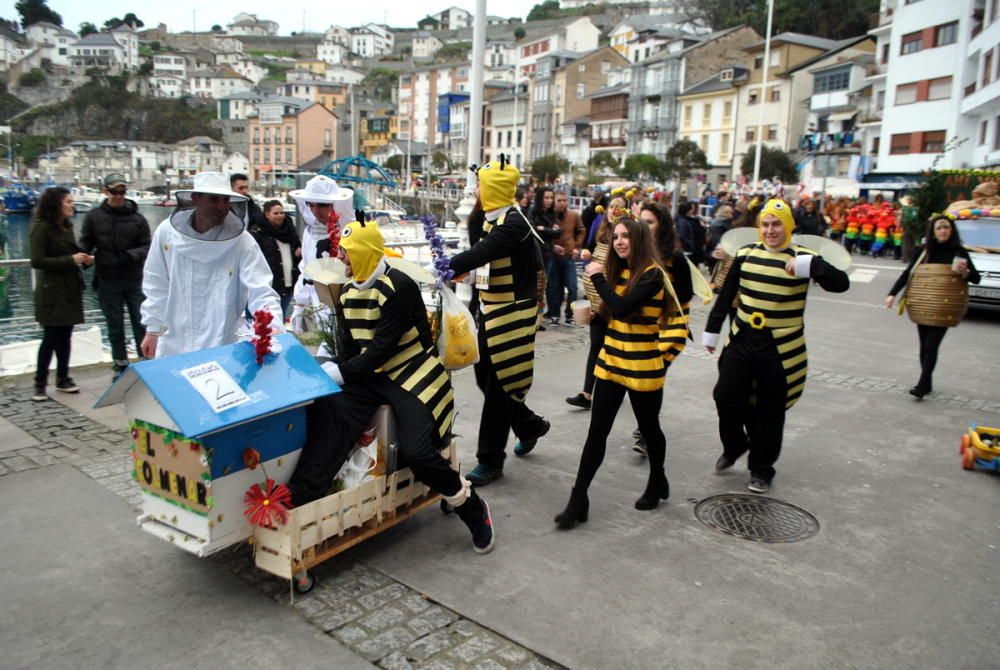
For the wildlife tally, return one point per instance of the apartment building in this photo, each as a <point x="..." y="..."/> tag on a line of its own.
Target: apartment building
<point x="640" y="36"/>
<point x="371" y="40"/>
<point x="609" y="121"/>
<point x="658" y="80"/>
<point x="330" y="94"/>
<point x="197" y="154"/>
<point x="577" y="35"/>
<point x="505" y="126"/>
<point x="288" y="132"/>
<point x="418" y="99"/>
<point x="377" y="126"/>
<point x="52" y="41"/>
<point x="708" y="117"/>
<point x="217" y="82"/>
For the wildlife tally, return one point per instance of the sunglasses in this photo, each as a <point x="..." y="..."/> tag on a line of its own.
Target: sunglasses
<point x="118" y="191"/>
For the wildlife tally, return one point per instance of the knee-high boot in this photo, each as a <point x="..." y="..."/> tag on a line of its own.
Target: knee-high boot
<point x="576" y="510"/>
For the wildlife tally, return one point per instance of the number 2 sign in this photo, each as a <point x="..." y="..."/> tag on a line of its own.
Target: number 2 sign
<point x="216" y="386"/>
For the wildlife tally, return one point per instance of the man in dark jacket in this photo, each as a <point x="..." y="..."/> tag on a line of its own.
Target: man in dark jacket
<point x="240" y="183"/>
<point x="120" y="235"/>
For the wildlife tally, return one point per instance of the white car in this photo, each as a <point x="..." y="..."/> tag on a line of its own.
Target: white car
<point x="981" y="237"/>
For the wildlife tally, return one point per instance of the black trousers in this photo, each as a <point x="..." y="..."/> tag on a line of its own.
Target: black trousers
<point x="607" y="400"/>
<point x="751" y="366"/>
<point x="116" y="295"/>
<point x="930" y="343"/>
<point x="334" y="422"/>
<point x="598" y="329"/>
<point x="55" y="340"/>
<point x="501" y="413"/>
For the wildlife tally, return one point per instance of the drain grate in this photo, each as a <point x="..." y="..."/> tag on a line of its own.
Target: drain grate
<point x="756" y="518"/>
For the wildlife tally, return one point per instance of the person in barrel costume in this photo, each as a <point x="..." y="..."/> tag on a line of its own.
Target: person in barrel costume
<point x="388" y="359"/>
<point x="508" y="258"/>
<point x="762" y="370"/>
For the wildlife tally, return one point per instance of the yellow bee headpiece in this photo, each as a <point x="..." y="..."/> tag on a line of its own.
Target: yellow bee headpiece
<point x="365" y="247"/>
<point x="497" y="184"/>
<point x="780" y="209"/>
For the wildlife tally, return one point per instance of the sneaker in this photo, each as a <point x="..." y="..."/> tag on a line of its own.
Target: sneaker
<point x="67" y="386"/>
<point x="758" y="485"/>
<point x="524" y="447"/>
<point x="553" y="320"/>
<point x="724" y="463"/>
<point x="637" y="434"/>
<point x="640" y="447"/>
<point x="481" y="475"/>
<point x="570" y="321"/>
<point x="39" y="395"/>
<point x="579" y="400"/>
<point x="483" y="534"/>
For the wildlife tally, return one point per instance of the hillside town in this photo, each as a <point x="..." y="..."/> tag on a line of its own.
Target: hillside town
<point x="591" y="89"/>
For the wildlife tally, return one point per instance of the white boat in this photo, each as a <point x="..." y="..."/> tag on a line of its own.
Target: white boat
<point x="142" y="197"/>
<point x="85" y="198"/>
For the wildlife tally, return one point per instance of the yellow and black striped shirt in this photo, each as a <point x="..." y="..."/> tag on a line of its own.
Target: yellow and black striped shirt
<point x="631" y="355"/>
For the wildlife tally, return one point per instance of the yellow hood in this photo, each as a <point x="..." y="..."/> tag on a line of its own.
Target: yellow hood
<point x="497" y="185"/>
<point x="784" y="213"/>
<point x="365" y="247"/>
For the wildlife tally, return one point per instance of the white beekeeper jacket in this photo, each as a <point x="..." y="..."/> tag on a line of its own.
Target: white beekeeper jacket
<point x="198" y="284"/>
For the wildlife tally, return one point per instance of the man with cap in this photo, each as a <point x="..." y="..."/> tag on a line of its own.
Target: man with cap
<point x="118" y="236"/>
<point x="204" y="269"/>
<point x="388" y="358"/>
<point x="762" y="370"/>
<point x="508" y="258"/>
<point x="320" y="203"/>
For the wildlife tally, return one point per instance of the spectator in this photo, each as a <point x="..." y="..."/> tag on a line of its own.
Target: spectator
<point x="684" y="229"/>
<point x="278" y="240"/>
<point x="562" y="276"/>
<point x="722" y="223"/>
<point x="59" y="290"/>
<point x="240" y="183"/>
<point x="808" y="220"/>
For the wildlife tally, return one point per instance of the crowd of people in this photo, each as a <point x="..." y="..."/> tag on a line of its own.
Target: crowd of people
<point x="218" y="257"/>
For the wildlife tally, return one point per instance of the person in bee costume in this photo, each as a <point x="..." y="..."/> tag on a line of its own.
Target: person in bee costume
<point x="506" y="261"/>
<point x="388" y="358"/>
<point x="762" y="370"/>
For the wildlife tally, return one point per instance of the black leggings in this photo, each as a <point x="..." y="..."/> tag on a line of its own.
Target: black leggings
<point x="598" y="329"/>
<point x="607" y="400"/>
<point x="56" y="339"/>
<point x="930" y="342"/>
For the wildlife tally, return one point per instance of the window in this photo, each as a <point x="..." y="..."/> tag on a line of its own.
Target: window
<point x="267" y="155"/>
<point x="834" y="80"/>
<point x="983" y="130"/>
<point x="754" y="95"/>
<point x="906" y="94"/>
<point x="288" y="156"/>
<point x="772" y="132"/>
<point x="581" y="68"/>
<point x="775" y="58"/>
<point x="900" y="144"/>
<point x="688" y="114"/>
<point x="256" y="155"/>
<point x="727" y="75"/>
<point x="706" y="115"/>
<point x="774" y="94"/>
<point x="946" y="33"/>
<point x="885" y="54"/>
<point x="987" y="67"/>
<point x="758" y="62"/>
<point x="724" y="148"/>
<point x="933" y="142"/>
<point x="581" y="90"/>
<point x="327" y="138"/>
<point x="727" y="112"/>
<point x="704" y="143"/>
<point x="751" y="135"/>
<point x="876" y="143"/>
<point x="911" y="43"/>
<point x="939" y="89"/>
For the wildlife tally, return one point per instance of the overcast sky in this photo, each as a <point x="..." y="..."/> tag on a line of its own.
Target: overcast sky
<point x="318" y="15"/>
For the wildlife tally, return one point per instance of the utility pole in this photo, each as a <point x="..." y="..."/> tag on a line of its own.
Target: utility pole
<point x="763" y="93"/>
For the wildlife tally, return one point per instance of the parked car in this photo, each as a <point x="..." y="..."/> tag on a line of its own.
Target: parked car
<point x="982" y="238"/>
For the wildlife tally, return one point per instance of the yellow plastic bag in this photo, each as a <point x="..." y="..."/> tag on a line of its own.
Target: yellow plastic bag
<point x="458" y="344"/>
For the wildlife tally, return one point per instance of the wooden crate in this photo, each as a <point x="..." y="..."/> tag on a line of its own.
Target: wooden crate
<point x="324" y="528"/>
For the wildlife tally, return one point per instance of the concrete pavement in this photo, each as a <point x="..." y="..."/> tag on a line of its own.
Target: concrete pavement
<point x="902" y="573"/>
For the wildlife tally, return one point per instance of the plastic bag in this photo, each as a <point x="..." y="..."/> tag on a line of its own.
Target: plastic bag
<point x="458" y="344"/>
<point x="359" y="464"/>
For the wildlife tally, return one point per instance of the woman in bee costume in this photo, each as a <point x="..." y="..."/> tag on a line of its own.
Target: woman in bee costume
<point x="508" y="257"/>
<point x="388" y="358"/>
<point x="762" y="370"/>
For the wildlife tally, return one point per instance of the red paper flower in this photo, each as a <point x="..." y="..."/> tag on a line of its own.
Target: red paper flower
<point x="251" y="457"/>
<point x="265" y="507"/>
<point x="333" y="232"/>
<point x="262" y="328"/>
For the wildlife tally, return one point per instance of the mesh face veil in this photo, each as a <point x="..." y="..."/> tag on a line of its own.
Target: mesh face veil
<point x="365" y="246"/>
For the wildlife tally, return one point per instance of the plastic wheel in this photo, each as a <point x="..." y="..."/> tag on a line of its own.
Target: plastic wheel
<point x="446" y="508"/>
<point x="964" y="443"/>
<point x="968" y="459"/>
<point x="303" y="582"/>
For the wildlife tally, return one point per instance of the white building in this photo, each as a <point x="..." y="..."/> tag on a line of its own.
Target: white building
<point x="425" y="45"/>
<point x="238" y="106"/>
<point x="453" y="18"/>
<point x="99" y="51"/>
<point x="52" y="40"/>
<point x="332" y="53"/>
<point x="227" y="43"/>
<point x="371" y="40"/>
<point x="217" y="82"/>
<point x="144" y="164"/>
<point x="342" y="75"/>
<point x="578" y="35"/>
<point x="127" y="36"/>
<point x="338" y="35"/>
<point x="640" y="36"/>
<point x="167" y="85"/>
<point x="936" y="76"/>
<point x="249" y="24"/>
<point x="198" y="154"/>
<point x="248" y="69"/>
<point x="236" y="163"/>
<point x="170" y="63"/>
<point x="13" y="47"/>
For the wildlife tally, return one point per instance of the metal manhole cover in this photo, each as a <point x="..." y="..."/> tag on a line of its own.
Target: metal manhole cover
<point x="756" y="518"/>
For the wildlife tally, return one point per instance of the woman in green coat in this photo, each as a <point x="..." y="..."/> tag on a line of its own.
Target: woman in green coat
<point x="59" y="287"/>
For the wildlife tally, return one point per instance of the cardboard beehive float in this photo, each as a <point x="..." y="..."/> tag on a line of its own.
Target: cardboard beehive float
<point x="207" y="426"/>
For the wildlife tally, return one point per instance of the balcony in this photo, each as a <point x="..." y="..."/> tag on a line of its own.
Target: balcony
<point x="879" y="22"/>
<point x="969" y="90"/>
<point x="607" y="142"/>
<point x="870" y="118"/>
<point x="876" y="71"/>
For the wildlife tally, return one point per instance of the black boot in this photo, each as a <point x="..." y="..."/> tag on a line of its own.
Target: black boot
<point x="657" y="489"/>
<point x="576" y="510"/>
<point x="475" y="513"/>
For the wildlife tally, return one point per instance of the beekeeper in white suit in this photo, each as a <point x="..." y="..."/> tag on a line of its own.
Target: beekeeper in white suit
<point x="203" y="271"/>
<point x="316" y="202"/>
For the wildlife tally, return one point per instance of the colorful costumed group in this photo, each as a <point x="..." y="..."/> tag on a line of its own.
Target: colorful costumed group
<point x="204" y="270"/>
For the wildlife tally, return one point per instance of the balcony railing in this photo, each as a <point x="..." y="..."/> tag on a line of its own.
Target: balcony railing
<point x="875" y="70"/>
<point x="877" y="20"/>
<point x="969" y="90"/>
<point x="607" y="142"/>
